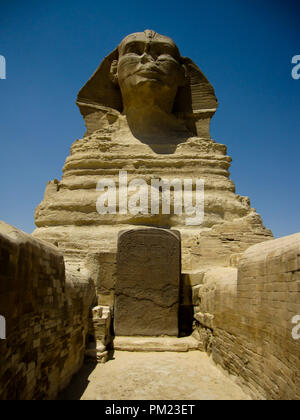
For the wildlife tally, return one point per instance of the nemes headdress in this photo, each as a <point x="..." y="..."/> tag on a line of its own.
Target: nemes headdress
<point x="195" y="103"/>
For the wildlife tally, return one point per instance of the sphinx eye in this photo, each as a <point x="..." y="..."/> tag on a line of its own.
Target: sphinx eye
<point x="165" y="52"/>
<point x="166" y="57"/>
<point x="133" y="48"/>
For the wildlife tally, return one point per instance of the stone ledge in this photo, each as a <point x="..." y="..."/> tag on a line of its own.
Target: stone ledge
<point x="155" y="344"/>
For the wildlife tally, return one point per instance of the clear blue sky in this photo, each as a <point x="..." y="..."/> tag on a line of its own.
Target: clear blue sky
<point x="244" y="47"/>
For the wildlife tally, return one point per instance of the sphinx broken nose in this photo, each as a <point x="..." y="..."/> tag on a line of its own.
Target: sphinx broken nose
<point x="146" y="58"/>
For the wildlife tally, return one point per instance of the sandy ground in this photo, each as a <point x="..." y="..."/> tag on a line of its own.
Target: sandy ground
<point x="157" y="376"/>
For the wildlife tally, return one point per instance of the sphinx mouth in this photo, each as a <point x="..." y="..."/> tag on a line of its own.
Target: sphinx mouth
<point x="149" y="71"/>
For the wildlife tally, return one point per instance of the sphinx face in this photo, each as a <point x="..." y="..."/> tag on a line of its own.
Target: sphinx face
<point x="148" y="61"/>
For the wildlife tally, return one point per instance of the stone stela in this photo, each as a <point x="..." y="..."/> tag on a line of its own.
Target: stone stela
<point x="147" y="284"/>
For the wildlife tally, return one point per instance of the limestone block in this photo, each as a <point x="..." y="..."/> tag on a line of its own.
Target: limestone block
<point x="218" y="283"/>
<point x="156" y="344"/>
<point x="195" y="295"/>
<point x="204" y="337"/>
<point x="193" y="278"/>
<point x="235" y="259"/>
<point x="102" y="268"/>
<point x="205" y="319"/>
<point x="100" y="324"/>
<point x="97" y="351"/>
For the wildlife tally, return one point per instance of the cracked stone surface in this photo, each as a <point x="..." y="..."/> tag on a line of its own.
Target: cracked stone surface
<point x="157" y="376"/>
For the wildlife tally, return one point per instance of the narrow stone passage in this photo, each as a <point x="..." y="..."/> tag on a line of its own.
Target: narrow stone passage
<point x="158" y="376"/>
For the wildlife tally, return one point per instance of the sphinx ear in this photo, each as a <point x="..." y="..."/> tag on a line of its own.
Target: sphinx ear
<point x="114" y="72"/>
<point x="184" y="79"/>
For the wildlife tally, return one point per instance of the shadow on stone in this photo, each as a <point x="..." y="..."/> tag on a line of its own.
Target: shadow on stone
<point x="186" y="309"/>
<point x="79" y="383"/>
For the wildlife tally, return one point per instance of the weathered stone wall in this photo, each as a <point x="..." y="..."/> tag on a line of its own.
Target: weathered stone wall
<point x="247" y="318"/>
<point x="46" y="318"/>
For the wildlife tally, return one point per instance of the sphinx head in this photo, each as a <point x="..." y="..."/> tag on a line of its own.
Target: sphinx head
<point x="148" y="69"/>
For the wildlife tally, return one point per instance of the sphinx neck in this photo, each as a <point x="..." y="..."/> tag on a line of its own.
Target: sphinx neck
<point x="153" y="123"/>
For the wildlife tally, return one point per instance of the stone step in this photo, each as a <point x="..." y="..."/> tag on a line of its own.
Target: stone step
<point x="155" y="344"/>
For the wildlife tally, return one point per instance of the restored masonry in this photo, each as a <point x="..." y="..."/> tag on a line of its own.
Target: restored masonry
<point x="47" y="318"/>
<point x="249" y="315"/>
<point x="90" y="282"/>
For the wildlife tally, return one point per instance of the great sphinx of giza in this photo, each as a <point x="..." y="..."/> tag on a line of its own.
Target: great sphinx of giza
<point x="147" y="111"/>
<point x="117" y="269"/>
